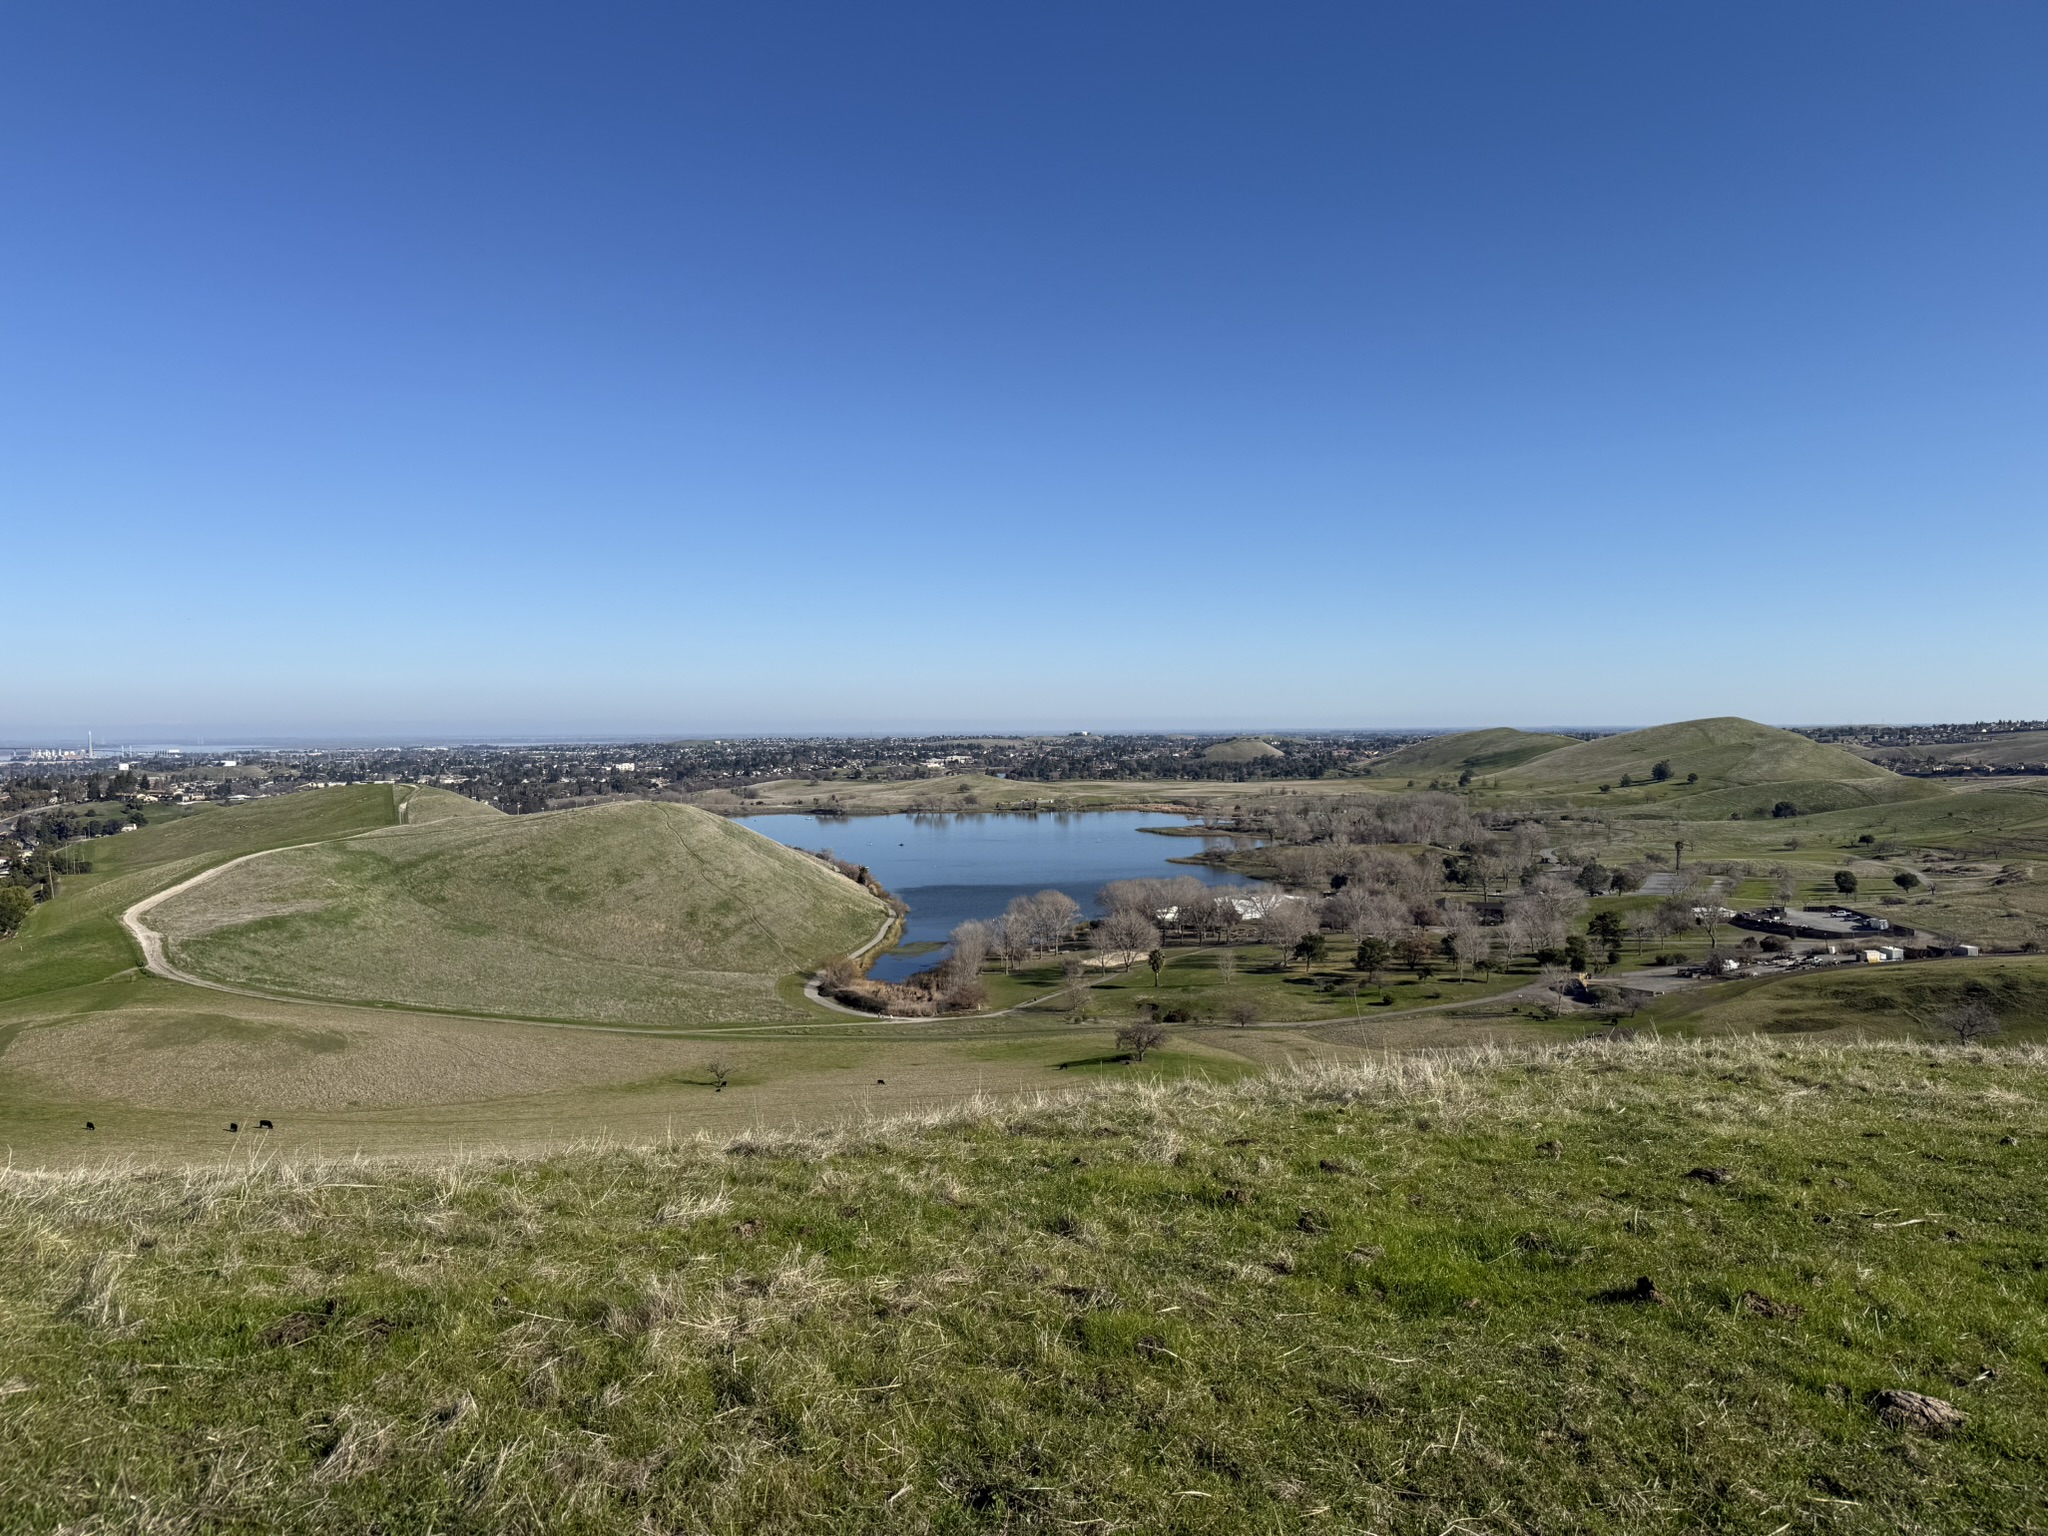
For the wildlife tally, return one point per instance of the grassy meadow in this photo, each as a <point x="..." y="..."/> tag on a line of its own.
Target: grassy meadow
<point x="1400" y="1295"/>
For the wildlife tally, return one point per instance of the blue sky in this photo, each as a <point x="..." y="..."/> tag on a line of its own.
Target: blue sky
<point x="469" y="369"/>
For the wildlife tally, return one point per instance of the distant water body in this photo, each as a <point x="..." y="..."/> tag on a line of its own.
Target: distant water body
<point x="950" y="868"/>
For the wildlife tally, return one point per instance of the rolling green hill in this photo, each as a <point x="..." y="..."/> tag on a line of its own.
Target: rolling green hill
<point x="78" y="939"/>
<point x="1724" y="751"/>
<point x="1245" y="749"/>
<point x="633" y="913"/>
<point x="1490" y="751"/>
<point x="427" y="803"/>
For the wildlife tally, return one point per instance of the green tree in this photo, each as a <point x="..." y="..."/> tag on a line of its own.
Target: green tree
<point x="1156" y="958"/>
<point x="1609" y="929"/>
<point x="1661" y="772"/>
<point x="1845" y="882"/>
<point x="1905" y="880"/>
<point x="1310" y="947"/>
<point x="15" y="906"/>
<point x="1419" y="954"/>
<point x="1372" y="958"/>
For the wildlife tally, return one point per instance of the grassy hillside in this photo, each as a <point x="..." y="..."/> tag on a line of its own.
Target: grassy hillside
<point x="1723" y="751"/>
<point x="1490" y="751"/>
<point x="429" y="803"/>
<point x="1392" y="1298"/>
<point x="1809" y="796"/>
<point x="1245" y="749"/>
<point x="78" y="939"/>
<point x="1872" y="1000"/>
<point x="631" y="913"/>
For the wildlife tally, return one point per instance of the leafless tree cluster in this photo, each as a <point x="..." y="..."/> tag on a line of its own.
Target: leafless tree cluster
<point x="1199" y="911"/>
<point x="1034" y="925"/>
<point x="1124" y="933"/>
<point x="1543" y="914"/>
<point x="1303" y="820"/>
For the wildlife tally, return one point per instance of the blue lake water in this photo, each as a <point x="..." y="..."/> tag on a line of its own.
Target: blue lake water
<point x="952" y="868"/>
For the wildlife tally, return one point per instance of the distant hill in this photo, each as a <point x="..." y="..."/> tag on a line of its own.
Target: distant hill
<point x="1245" y="749"/>
<point x="427" y="802"/>
<point x="1490" y="751"/>
<point x="1723" y="751"/>
<point x="634" y="912"/>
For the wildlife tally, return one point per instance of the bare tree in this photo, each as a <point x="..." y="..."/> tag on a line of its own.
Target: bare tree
<point x="1286" y="923"/>
<point x="1011" y="936"/>
<point x="1466" y="939"/>
<point x="967" y="953"/>
<point x="1074" y="974"/>
<point x="1057" y="914"/>
<point x="1140" y="1036"/>
<point x="1244" y="1013"/>
<point x="1130" y="935"/>
<point x="721" y="1072"/>
<point x="1226" y="965"/>
<point x="1970" y="1021"/>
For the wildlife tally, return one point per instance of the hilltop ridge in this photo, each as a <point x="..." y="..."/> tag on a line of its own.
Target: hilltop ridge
<point x="1723" y="750"/>
<point x="1483" y="752"/>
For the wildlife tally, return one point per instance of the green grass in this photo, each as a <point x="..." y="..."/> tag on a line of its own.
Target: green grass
<point x="1489" y="751"/>
<point x="629" y="913"/>
<point x="1897" y="1000"/>
<point x="78" y="939"/>
<point x="1723" y="751"/>
<point x="1361" y="1299"/>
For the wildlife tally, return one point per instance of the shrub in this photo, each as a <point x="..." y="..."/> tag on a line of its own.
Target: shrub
<point x="15" y="906"/>
<point x="1139" y="1037"/>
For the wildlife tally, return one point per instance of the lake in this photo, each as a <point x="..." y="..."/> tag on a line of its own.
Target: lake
<point x="950" y="868"/>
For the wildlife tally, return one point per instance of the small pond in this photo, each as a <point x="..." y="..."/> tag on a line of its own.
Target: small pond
<point x="950" y="868"/>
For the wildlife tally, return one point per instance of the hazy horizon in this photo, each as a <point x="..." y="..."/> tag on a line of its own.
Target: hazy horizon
<point x="140" y="741"/>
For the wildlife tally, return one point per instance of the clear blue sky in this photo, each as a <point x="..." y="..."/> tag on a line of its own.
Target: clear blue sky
<point x="469" y="369"/>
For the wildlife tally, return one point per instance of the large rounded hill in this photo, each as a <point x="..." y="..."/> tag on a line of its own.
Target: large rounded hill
<point x="635" y="913"/>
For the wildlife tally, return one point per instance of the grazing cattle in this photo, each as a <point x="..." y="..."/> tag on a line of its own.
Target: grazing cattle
<point x="881" y="1082"/>
<point x="234" y="1125"/>
<point x="265" y="1125"/>
<point x="90" y="1126"/>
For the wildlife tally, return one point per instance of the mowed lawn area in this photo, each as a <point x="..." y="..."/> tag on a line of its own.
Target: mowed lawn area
<point x="1604" y="1288"/>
